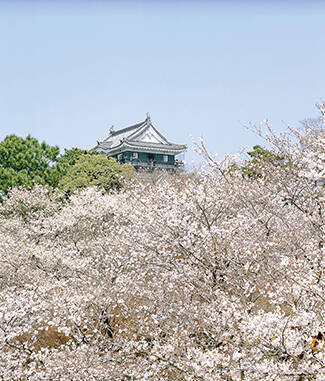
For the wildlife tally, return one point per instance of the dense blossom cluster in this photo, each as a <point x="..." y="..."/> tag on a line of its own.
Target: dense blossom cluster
<point x="205" y="277"/>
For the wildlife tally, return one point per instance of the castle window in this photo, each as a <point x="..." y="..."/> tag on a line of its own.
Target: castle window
<point x="135" y="155"/>
<point x="165" y="158"/>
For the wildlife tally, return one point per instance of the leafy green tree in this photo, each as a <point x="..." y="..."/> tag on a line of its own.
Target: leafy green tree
<point x="71" y="156"/>
<point x="260" y="153"/>
<point x="65" y="161"/>
<point x="260" y="157"/>
<point x="95" y="170"/>
<point x="25" y="162"/>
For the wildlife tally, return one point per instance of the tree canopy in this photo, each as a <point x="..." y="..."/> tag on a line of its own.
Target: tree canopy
<point x="95" y="170"/>
<point x="65" y="161"/>
<point x="25" y="162"/>
<point x="260" y="157"/>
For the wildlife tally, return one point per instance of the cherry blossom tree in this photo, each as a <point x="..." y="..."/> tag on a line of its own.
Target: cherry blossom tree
<point x="218" y="276"/>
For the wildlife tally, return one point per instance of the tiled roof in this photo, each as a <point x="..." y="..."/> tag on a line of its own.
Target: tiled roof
<point x="127" y="130"/>
<point x="139" y="136"/>
<point x="115" y="137"/>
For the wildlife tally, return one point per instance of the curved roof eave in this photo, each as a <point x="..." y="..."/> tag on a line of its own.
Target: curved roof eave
<point x="125" y="146"/>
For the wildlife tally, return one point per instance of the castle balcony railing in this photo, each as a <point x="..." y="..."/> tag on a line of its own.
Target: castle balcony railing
<point x="153" y="165"/>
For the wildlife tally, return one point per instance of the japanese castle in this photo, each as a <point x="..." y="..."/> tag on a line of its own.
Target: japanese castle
<point x="142" y="146"/>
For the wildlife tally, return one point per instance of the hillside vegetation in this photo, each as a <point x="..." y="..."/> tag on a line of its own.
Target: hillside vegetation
<point x="213" y="276"/>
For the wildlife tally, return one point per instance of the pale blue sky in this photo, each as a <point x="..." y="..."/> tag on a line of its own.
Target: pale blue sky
<point x="69" y="70"/>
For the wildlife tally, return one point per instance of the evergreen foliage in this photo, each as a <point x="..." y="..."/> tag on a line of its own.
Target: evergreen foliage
<point x="25" y="162"/>
<point x="65" y="161"/>
<point x="95" y="170"/>
<point x="258" y="159"/>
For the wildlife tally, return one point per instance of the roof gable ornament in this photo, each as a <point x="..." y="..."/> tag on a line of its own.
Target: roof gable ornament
<point x="148" y="119"/>
<point x="111" y="129"/>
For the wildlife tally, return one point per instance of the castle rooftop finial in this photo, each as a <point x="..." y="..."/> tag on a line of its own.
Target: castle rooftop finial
<point x="148" y="117"/>
<point x="111" y="129"/>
